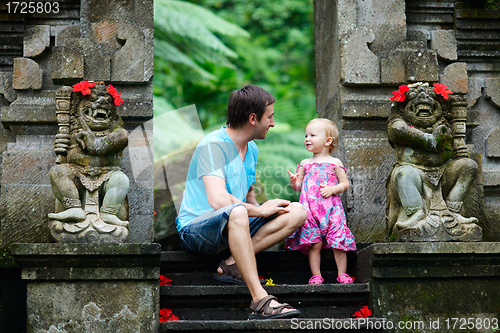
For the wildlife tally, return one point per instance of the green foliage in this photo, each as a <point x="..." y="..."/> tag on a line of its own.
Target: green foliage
<point x="202" y="54"/>
<point x="185" y="46"/>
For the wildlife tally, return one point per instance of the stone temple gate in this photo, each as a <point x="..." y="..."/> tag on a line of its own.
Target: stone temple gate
<point x="365" y="50"/>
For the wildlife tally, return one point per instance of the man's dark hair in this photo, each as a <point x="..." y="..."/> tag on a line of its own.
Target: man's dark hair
<point x="245" y="101"/>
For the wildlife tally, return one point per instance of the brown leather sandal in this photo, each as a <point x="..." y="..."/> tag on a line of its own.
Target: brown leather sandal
<point x="231" y="274"/>
<point x="262" y="310"/>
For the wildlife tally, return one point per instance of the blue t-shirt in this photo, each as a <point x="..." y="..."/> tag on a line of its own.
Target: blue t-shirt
<point x="216" y="155"/>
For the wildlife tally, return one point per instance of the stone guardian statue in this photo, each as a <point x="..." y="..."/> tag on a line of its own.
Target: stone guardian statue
<point x="433" y="172"/>
<point x="87" y="180"/>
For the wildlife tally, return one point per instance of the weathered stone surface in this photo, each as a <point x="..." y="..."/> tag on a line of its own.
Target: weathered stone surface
<point x="27" y="74"/>
<point x="345" y="13"/>
<point x="474" y="90"/>
<point x="422" y="65"/>
<point x="67" y="63"/>
<point x="493" y="144"/>
<point x="327" y="51"/>
<point x="455" y="77"/>
<point x="36" y="40"/>
<point x="392" y="67"/>
<point x="492" y="91"/>
<point x="431" y="280"/>
<point x="445" y="44"/>
<point x="138" y="164"/>
<point x="64" y="33"/>
<point x="93" y="288"/>
<point x="386" y="19"/>
<point x="26" y="108"/>
<point x="128" y="63"/>
<point x="359" y="64"/>
<point x="369" y="161"/>
<point x="393" y="63"/>
<point x="6" y="80"/>
<point x="97" y="65"/>
<point x="25" y="188"/>
<point x="363" y="103"/>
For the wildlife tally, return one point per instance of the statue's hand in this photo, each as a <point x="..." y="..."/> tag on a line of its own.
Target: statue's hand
<point x="86" y="139"/>
<point x="442" y="134"/>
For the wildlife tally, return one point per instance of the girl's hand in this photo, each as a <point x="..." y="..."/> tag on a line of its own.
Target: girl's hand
<point x="295" y="180"/>
<point x="293" y="177"/>
<point x="326" y="191"/>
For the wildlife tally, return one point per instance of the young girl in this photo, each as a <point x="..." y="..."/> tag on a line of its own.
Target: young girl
<point x="322" y="178"/>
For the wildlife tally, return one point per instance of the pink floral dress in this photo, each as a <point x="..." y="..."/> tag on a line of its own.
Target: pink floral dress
<point x="326" y="220"/>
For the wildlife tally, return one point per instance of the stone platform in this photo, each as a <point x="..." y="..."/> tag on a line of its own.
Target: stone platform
<point x="428" y="281"/>
<point x="90" y="287"/>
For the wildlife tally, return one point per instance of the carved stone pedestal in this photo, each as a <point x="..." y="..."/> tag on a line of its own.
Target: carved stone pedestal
<point x="433" y="281"/>
<point x="79" y="288"/>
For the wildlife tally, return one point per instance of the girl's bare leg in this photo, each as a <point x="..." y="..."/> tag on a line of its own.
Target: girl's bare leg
<point x="340" y="260"/>
<point x="315" y="258"/>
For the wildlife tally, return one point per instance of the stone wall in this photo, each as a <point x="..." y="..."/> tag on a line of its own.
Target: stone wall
<point x="91" y="40"/>
<point x="365" y="49"/>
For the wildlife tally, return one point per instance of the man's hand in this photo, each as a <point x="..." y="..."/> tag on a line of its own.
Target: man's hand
<point x="274" y="206"/>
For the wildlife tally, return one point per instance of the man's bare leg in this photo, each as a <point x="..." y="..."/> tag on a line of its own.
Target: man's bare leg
<point x="280" y="228"/>
<point x="276" y="230"/>
<point x="242" y="250"/>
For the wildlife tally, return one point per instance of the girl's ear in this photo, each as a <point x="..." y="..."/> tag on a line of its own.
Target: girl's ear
<point x="252" y="118"/>
<point x="329" y="141"/>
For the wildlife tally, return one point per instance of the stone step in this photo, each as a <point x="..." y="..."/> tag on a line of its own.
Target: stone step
<point x="232" y="302"/>
<point x="275" y="325"/>
<point x="284" y="267"/>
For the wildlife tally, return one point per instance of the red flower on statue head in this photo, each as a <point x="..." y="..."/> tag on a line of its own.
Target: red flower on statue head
<point x="399" y="95"/>
<point x="166" y="315"/>
<point x="442" y="89"/>
<point x="364" y="312"/>
<point x="83" y="87"/>
<point x="116" y="95"/>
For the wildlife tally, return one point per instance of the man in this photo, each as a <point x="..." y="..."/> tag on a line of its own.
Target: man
<point x="219" y="208"/>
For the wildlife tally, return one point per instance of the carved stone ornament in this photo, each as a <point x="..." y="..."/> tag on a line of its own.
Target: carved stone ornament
<point x="88" y="182"/>
<point x="433" y="172"/>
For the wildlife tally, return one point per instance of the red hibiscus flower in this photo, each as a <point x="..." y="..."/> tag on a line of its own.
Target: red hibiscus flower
<point x="399" y="95"/>
<point x="116" y="95"/>
<point x="165" y="281"/>
<point x="83" y="87"/>
<point x="364" y="312"/>
<point x="442" y="89"/>
<point x="167" y="315"/>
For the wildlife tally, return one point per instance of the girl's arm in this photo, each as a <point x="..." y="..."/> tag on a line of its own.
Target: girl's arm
<point x="296" y="179"/>
<point x="342" y="186"/>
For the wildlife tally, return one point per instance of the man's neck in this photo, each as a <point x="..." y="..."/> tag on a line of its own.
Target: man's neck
<point x="239" y="137"/>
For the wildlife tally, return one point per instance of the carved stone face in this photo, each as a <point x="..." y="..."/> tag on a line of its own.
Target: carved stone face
<point x="97" y="110"/>
<point x="422" y="109"/>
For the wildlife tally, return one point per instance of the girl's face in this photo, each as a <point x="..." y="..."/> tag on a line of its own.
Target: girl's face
<point x="316" y="140"/>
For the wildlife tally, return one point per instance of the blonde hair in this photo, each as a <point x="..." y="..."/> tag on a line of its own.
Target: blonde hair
<point x="330" y="130"/>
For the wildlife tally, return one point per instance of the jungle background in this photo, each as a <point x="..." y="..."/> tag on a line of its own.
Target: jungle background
<point x="204" y="49"/>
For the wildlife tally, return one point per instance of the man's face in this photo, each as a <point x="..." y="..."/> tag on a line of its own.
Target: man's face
<point x="262" y="127"/>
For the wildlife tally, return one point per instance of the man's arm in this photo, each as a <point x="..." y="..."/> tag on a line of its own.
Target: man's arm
<point x="218" y="198"/>
<point x="251" y="198"/>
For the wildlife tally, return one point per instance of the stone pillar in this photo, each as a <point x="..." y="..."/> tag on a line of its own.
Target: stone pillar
<point x="85" y="288"/>
<point x="365" y="49"/>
